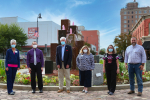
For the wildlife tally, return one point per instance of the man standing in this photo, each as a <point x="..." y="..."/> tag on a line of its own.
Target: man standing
<point x="135" y="57"/>
<point x="35" y="64"/>
<point x="63" y="60"/>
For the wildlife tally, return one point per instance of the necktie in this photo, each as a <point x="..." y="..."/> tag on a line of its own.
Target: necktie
<point x="34" y="57"/>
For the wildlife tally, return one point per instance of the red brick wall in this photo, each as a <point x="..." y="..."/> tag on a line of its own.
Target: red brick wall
<point x="91" y="37"/>
<point x="141" y="30"/>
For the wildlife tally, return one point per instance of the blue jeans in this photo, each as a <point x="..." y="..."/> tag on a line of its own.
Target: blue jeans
<point x="135" y="69"/>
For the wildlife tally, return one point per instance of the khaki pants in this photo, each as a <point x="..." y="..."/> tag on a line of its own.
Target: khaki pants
<point x="61" y="73"/>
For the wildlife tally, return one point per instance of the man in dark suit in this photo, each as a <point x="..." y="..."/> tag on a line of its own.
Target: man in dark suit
<point x="63" y="60"/>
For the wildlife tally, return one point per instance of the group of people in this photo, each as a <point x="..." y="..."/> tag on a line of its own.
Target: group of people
<point x="135" y="58"/>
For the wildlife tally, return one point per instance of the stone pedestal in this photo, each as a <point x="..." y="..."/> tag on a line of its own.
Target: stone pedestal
<point x="98" y="69"/>
<point x="147" y="65"/>
<point x="96" y="59"/>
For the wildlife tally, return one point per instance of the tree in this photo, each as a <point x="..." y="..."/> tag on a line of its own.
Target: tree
<point x="8" y="32"/>
<point x="89" y="45"/>
<point x="122" y="41"/>
<point x="102" y="51"/>
<point x="93" y="52"/>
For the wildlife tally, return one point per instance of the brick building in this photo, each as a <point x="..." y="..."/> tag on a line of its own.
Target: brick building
<point x="141" y="29"/>
<point x="131" y="14"/>
<point x="92" y="37"/>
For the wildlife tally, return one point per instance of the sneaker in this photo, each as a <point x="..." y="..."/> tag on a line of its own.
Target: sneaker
<point x="83" y="90"/>
<point x="11" y="93"/>
<point x="68" y="91"/>
<point x="131" y="92"/>
<point x="86" y="91"/>
<point x="33" y="91"/>
<point x="139" y="94"/>
<point x="59" y="91"/>
<point x="111" y="93"/>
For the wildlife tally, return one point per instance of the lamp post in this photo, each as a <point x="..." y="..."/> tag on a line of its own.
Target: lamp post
<point x="39" y="16"/>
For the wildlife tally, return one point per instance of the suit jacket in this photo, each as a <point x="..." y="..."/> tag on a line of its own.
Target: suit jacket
<point x="67" y="56"/>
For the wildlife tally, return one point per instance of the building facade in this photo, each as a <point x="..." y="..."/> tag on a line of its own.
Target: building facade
<point x="92" y="37"/>
<point x="131" y="14"/>
<point x="48" y="33"/>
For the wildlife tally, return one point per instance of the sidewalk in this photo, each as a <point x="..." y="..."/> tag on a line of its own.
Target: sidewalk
<point x="74" y="95"/>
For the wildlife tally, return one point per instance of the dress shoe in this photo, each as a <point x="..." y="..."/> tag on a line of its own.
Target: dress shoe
<point x="139" y="94"/>
<point x="41" y="91"/>
<point x="11" y="93"/>
<point x="33" y="91"/>
<point x="111" y="93"/>
<point x="68" y="91"/>
<point x="131" y="92"/>
<point x="59" y="91"/>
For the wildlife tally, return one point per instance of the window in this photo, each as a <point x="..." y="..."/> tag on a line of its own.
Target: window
<point x="128" y="25"/>
<point x="125" y="21"/>
<point x="128" y="12"/>
<point x="145" y="11"/>
<point x="135" y="21"/>
<point x="132" y="21"/>
<point x="136" y="16"/>
<point x="128" y="30"/>
<point x="132" y="16"/>
<point x="128" y="21"/>
<point x="128" y="17"/>
<point x="140" y="12"/>
<point x="139" y="16"/>
<point x="125" y="30"/>
<point x="125" y="26"/>
<point x="132" y="12"/>
<point x="125" y="17"/>
<point x="135" y="12"/>
<point x="149" y="11"/>
<point x="149" y="28"/>
<point x="125" y="12"/>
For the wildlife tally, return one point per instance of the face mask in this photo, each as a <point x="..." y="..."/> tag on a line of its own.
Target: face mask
<point x="110" y="50"/>
<point x="85" y="51"/>
<point x="62" y="43"/>
<point x="34" y="46"/>
<point x="13" y="46"/>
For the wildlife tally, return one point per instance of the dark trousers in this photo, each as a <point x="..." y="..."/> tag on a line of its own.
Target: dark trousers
<point x="11" y="73"/>
<point x="85" y="78"/>
<point x="111" y="79"/>
<point x="36" y="69"/>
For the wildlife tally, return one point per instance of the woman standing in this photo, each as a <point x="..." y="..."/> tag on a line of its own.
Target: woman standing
<point x="12" y="64"/>
<point x="85" y="63"/>
<point x="111" y="65"/>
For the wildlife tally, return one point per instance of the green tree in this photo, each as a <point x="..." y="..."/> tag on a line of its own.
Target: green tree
<point x="89" y="45"/>
<point x="122" y="41"/>
<point x="8" y="32"/>
<point x="102" y="51"/>
<point x="93" y="52"/>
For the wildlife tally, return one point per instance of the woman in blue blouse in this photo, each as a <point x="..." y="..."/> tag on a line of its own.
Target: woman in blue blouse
<point x="12" y="64"/>
<point x="85" y="63"/>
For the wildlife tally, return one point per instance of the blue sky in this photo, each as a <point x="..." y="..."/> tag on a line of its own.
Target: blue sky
<point x="102" y="15"/>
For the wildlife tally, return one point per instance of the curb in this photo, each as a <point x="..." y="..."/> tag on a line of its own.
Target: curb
<point x="73" y="88"/>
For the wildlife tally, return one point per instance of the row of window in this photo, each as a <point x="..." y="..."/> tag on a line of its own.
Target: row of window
<point x="125" y="17"/>
<point x="129" y="21"/>
<point x="128" y="26"/>
<point x="125" y="30"/>
<point x="136" y="12"/>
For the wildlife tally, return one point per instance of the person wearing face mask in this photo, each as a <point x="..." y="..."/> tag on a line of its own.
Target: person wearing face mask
<point x="12" y="63"/>
<point x="63" y="61"/>
<point x="111" y="67"/>
<point x="135" y="58"/>
<point x="85" y="63"/>
<point x="35" y="63"/>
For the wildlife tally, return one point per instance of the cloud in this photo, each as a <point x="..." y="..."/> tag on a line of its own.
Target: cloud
<point x="105" y="32"/>
<point x="79" y="2"/>
<point x="51" y="16"/>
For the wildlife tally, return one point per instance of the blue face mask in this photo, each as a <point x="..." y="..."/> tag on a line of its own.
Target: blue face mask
<point x="62" y="43"/>
<point x="110" y="50"/>
<point x="13" y="46"/>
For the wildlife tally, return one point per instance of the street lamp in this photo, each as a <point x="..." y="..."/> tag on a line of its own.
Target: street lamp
<point x="39" y="16"/>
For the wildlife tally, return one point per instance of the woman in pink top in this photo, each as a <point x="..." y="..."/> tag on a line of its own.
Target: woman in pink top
<point x="12" y="63"/>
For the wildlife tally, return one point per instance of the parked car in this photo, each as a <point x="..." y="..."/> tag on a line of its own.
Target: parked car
<point x="121" y="58"/>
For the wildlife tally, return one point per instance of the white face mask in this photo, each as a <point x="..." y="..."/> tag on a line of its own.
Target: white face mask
<point x="85" y="51"/>
<point x="34" y="46"/>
